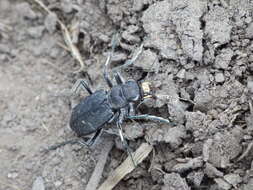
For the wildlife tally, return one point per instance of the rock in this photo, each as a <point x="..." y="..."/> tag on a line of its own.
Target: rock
<point x="211" y="171"/>
<point x="138" y="5"/>
<point x="174" y="136"/>
<point x="132" y="29"/>
<point x="181" y="74"/>
<point x="50" y="22"/>
<point x="12" y="175"/>
<point x="249" y="185"/>
<point x="154" y="135"/>
<point x="174" y="181"/>
<point x="197" y="123"/>
<point x="104" y="38"/>
<point x="115" y="12"/>
<point x="249" y="122"/>
<point x="241" y="12"/>
<point x="131" y="38"/>
<point x="177" y="110"/>
<point x="249" y="31"/>
<point x="224" y="148"/>
<point x="233" y="179"/>
<point x="4" y="48"/>
<point x="57" y="183"/>
<point x="189" y="76"/>
<point x="219" y="77"/>
<point x="206" y="148"/>
<point x="38" y="184"/>
<point x="24" y="9"/>
<point x="147" y="61"/>
<point x="203" y="100"/>
<point x="118" y="57"/>
<point x="134" y="131"/>
<point x="36" y="32"/>
<point x="250" y="85"/>
<point x="195" y="178"/>
<point x="156" y="174"/>
<point x="217" y="25"/>
<point x="223" y="185"/>
<point x="66" y="6"/>
<point x="181" y="17"/>
<point x="222" y="60"/>
<point x="190" y="164"/>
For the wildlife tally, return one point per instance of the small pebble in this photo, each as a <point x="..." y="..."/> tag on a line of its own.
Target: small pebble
<point x="50" y="22"/>
<point x="233" y="179"/>
<point x="38" y="184"/>
<point x="250" y="85"/>
<point x="222" y="184"/>
<point x="67" y="6"/>
<point x="249" y="31"/>
<point x="24" y="9"/>
<point x="58" y="183"/>
<point x="36" y="32"/>
<point x="12" y="175"/>
<point x="181" y="74"/>
<point x="219" y="77"/>
<point x="119" y="57"/>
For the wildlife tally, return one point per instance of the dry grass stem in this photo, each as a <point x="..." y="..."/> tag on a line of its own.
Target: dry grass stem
<point x="126" y="167"/>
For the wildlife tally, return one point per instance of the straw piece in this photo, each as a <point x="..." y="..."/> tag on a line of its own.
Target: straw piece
<point x="126" y="167"/>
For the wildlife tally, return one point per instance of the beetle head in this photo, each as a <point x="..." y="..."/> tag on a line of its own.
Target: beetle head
<point x="132" y="91"/>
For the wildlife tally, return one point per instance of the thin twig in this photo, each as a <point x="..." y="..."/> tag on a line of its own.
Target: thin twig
<point x="126" y="167"/>
<point x="97" y="173"/>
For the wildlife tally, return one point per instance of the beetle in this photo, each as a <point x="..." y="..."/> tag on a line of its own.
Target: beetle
<point x="102" y="107"/>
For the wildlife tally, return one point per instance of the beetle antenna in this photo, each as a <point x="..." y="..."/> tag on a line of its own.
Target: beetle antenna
<point x="114" y="43"/>
<point x="130" y="61"/>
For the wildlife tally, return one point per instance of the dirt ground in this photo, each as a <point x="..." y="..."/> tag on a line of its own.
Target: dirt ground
<point x="198" y="56"/>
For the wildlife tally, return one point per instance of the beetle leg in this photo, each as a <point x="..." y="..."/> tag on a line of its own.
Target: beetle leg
<point x="92" y="140"/>
<point x="114" y="117"/>
<point x="123" y="114"/>
<point x="124" y="143"/>
<point x="150" y="117"/>
<point x="131" y="109"/>
<point x="80" y="83"/>
<point x="88" y="143"/>
<point x="132" y="60"/>
<point x="106" y="74"/>
<point x="118" y="77"/>
<point x="108" y="61"/>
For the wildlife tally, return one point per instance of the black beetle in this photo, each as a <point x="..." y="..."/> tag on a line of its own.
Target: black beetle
<point x="102" y="107"/>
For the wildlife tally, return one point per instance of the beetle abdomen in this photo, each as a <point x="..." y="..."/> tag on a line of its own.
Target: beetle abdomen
<point x="91" y="114"/>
